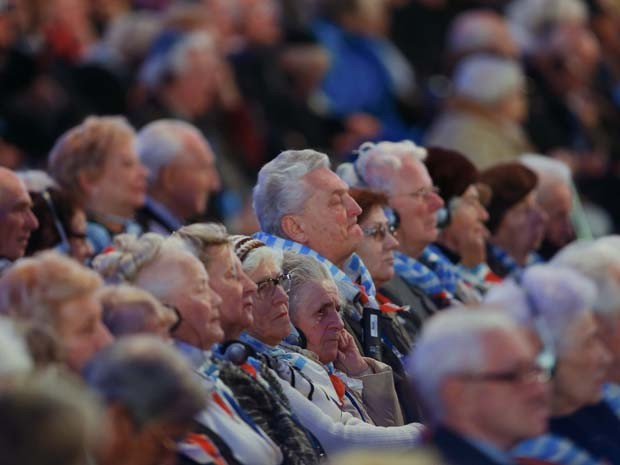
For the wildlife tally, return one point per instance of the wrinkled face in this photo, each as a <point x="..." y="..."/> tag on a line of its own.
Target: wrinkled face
<point x="582" y="366"/>
<point x="509" y="410"/>
<point x="415" y="201"/>
<point x="195" y="88"/>
<point x="329" y="217"/>
<point x="524" y="223"/>
<point x="235" y="288"/>
<point x="316" y="315"/>
<point x="557" y="204"/>
<point x="271" y="320"/>
<point x="377" y="247"/>
<point x="609" y="328"/>
<point x="81" y="331"/>
<point x="192" y="177"/>
<point x="16" y="218"/>
<point x="121" y="188"/>
<point x="81" y="248"/>
<point x="466" y="229"/>
<point x="198" y="304"/>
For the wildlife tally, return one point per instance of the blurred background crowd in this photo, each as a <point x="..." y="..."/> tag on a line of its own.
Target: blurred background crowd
<point x="271" y="232"/>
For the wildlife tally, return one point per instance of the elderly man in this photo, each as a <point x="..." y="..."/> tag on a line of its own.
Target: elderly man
<point x="398" y="170"/>
<point x="16" y="218"/>
<point x="488" y="394"/>
<point x="182" y="174"/>
<point x="555" y="197"/>
<point x="304" y="207"/>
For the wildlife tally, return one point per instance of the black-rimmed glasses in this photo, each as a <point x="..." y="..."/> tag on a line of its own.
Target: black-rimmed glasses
<point x="267" y="286"/>
<point x="520" y="375"/>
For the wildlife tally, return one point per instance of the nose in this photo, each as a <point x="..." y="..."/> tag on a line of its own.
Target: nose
<point x="216" y="183"/>
<point x="249" y="286"/>
<point x="216" y="300"/>
<point x="434" y="202"/>
<point x="353" y="209"/>
<point x="483" y="214"/>
<point x="31" y="221"/>
<point x="390" y="242"/>
<point x="336" y="321"/>
<point x="280" y="295"/>
<point x="103" y="337"/>
<point x="604" y="356"/>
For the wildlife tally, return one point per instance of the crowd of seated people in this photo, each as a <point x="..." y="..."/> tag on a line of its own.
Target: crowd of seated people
<point x="292" y="232"/>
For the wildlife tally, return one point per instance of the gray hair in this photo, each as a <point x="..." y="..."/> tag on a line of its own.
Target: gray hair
<point x="132" y="256"/>
<point x="200" y="237"/>
<point x="377" y="164"/>
<point x="258" y="256"/>
<point x="547" y="168"/>
<point x="303" y="269"/>
<point x="487" y="79"/>
<point x="279" y="191"/>
<point x="558" y="294"/>
<point x="160" y="142"/>
<point x="176" y="58"/>
<point x="600" y="262"/>
<point x="124" y="373"/>
<point x="473" y="31"/>
<point x="451" y="342"/>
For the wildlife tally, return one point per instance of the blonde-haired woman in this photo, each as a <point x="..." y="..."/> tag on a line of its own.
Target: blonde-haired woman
<point x="98" y="164"/>
<point x="55" y="292"/>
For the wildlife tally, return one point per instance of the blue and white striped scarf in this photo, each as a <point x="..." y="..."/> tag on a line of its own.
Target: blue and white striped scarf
<point x="434" y="281"/>
<point x="509" y="263"/>
<point x="353" y="270"/>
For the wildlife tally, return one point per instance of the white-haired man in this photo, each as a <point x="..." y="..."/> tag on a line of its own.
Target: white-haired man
<point x="555" y="198"/>
<point x="182" y="174"/>
<point x="304" y="207"/>
<point x="486" y="392"/>
<point x="16" y="218"/>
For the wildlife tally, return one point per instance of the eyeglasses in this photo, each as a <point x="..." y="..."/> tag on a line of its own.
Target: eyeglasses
<point x="379" y="231"/>
<point x="422" y="193"/>
<point x="267" y="286"/>
<point x="520" y="376"/>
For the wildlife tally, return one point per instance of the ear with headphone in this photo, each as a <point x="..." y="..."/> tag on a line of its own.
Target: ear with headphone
<point x="443" y="217"/>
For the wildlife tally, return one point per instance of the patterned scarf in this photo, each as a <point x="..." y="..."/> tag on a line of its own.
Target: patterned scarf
<point x="509" y="263"/>
<point x="353" y="270"/>
<point x="418" y="274"/>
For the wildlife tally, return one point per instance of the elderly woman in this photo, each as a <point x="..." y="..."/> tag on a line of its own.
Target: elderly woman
<point x="98" y="164"/>
<point x="556" y="304"/>
<point x="171" y="273"/>
<point x="516" y="221"/>
<point x="59" y="295"/>
<point x="145" y="417"/>
<point x="463" y="233"/>
<point x="131" y="310"/>
<point x="376" y="251"/>
<point x="338" y="395"/>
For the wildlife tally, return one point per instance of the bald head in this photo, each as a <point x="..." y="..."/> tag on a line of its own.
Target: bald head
<point x="16" y="217"/>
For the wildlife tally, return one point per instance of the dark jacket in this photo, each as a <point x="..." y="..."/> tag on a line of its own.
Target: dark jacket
<point x="455" y="450"/>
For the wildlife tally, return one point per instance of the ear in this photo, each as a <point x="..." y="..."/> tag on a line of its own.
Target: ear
<point x="452" y="393"/>
<point x="166" y="178"/>
<point x="293" y="228"/>
<point x="87" y="183"/>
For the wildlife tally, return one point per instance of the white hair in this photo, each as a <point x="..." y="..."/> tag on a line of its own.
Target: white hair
<point x="279" y="192"/>
<point x="175" y="58"/>
<point x="14" y="356"/>
<point x="559" y="295"/>
<point x="259" y="255"/>
<point x="378" y="163"/>
<point x="159" y="143"/>
<point x="487" y="79"/>
<point x="599" y="261"/>
<point x="473" y="30"/>
<point x="36" y="180"/>
<point x="530" y="18"/>
<point x="547" y="168"/>
<point x="451" y="343"/>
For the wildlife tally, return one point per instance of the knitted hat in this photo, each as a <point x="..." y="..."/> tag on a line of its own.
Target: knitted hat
<point x="451" y="171"/>
<point x="243" y="245"/>
<point x="511" y="183"/>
